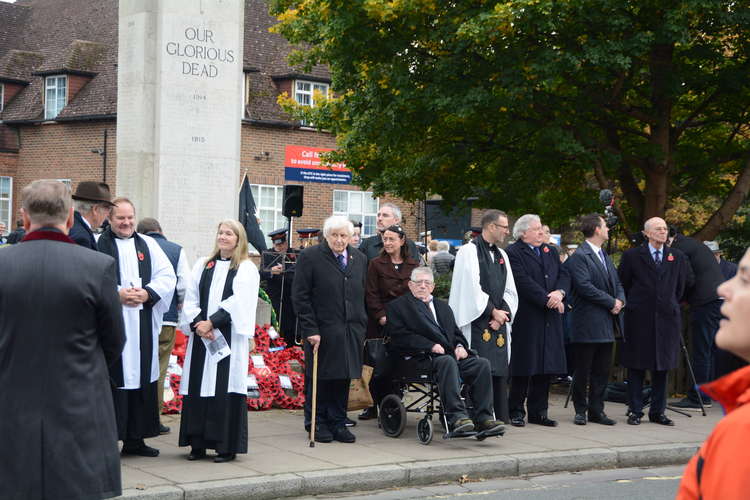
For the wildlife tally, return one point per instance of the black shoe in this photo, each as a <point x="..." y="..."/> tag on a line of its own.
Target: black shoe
<point x="224" y="457"/>
<point x="343" y="435"/>
<point x="579" y="419"/>
<point x="349" y="422"/>
<point x="689" y="404"/>
<point x="368" y="413"/>
<point x="141" y="451"/>
<point x="546" y="422"/>
<point x="196" y="454"/>
<point x="462" y="425"/>
<point x="602" y="418"/>
<point x="660" y="419"/>
<point x="634" y="419"/>
<point x="490" y="428"/>
<point x="517" y="421"/>
<point x="163" y="429"/>
<point x="323" y="435"/>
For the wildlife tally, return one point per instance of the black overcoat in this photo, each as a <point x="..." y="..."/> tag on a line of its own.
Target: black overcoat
<point x="60" y="326"/>
<point x="537" y="341"/>
<point x="81" y="233"/>
<point x="704" y="276"/>
<point x="331" y="303"/>
<point x="592" y="296"/>
<point x="653" y="321"/>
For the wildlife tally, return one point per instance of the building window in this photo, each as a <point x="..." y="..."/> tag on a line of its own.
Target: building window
<point x="6" y="201"/>
<point x="268" y="202"/>
<point x="357" y="206"/>
<point x="2" y="96"/>
<point x="304" y="94"/>
<point x="55" y="96"/>
<point x="246" y="95"/>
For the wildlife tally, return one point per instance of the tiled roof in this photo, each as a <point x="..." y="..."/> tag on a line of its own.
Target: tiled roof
<point x="46" y="36"/>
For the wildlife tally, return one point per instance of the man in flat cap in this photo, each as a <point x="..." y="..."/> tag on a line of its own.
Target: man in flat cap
<point x="278" y="273"/>
<point x="92" y="202"/>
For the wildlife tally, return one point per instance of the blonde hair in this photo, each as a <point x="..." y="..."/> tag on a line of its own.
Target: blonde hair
<point x="240" y="251"/>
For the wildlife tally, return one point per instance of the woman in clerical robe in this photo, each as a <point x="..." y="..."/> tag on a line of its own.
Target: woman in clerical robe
<point x="218" y="316"/>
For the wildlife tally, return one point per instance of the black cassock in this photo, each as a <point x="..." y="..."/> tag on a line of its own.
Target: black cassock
<point x="218" y="422"/>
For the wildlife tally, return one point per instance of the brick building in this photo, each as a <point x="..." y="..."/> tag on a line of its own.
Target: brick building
<point x="58" y="110"/>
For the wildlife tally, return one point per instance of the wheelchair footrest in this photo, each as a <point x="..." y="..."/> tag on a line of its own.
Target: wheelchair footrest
<point x="453" y="435"/>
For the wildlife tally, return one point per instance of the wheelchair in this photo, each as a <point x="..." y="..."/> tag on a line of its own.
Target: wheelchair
<point x="420" y="383"/>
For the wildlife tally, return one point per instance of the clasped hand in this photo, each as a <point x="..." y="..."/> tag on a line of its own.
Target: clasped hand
<point x="133" y="296"/>
<point x="205" y="329"/>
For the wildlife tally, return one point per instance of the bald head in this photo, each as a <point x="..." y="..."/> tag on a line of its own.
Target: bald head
<point x="656" y="231"/>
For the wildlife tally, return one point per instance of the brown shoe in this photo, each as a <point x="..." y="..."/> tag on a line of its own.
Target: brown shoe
<point x="490" y="428"/>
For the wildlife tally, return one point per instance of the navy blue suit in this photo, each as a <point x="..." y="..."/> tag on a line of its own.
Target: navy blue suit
<point x="81" y="233"/>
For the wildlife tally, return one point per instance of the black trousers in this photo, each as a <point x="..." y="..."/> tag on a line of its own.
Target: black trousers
<point x="658" y="391"/>
<point x="591" y="368"/>
<point x="332" y="396"/>
<point x="476" y="373"/>
<point x="704" y="324"/>
<point x="500" y="398"/>
<point x="534" y="390"/>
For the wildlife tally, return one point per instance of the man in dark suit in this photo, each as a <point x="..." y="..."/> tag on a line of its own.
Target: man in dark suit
<point x="388" y="215"/>
<point x="596" y="298"/>
<point x="60" y="327"/>
<point x="538" y="344"/>
<point x="419" y="324"/>
<point x="92" y="207"/>
<point x="655" y="278"/>
<point x="705" y="314"/>
<point x="329" y="298"/>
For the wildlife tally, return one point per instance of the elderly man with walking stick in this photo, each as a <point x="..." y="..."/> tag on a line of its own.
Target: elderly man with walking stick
<point x="329" y="297"/>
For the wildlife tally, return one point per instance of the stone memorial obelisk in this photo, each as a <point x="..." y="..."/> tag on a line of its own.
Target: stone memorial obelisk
<point x="179" y="102"/>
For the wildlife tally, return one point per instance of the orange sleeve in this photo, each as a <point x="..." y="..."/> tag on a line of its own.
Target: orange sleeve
<point x="689" y="484"/>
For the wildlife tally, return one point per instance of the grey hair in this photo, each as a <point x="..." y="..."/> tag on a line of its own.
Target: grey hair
<point x="47" y="202"/>
<point x="421" y="270"/>
<point x="523" y="223"/>
<point x="394" y="208"/>
<point x="83" y="206"/>
<point x="337" y="222"/>
<point x="443" y="246"/>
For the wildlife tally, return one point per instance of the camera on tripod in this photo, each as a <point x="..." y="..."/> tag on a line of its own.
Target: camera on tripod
<point x="608" y="200"/>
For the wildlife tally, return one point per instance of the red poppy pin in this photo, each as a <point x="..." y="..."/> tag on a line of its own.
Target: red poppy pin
<point x="210" y="265"/>
<point x="501" y="261"/>
<point x="546" y="249"/>
<point x="141" y="256"/>
<point x="670" y="257"/>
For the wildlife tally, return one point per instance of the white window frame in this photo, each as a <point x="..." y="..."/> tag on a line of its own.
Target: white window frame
<point x="354" y="215"/>
<point x="2" y="97"/>
<point x="301" y="94"/>
<point x="279" y="220"/>
<point x="245" y="94"/>
<point x="52" y="108"/>
<point x="9" y="199"/>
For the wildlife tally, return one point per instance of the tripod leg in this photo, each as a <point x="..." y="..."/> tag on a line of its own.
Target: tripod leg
<point x="692" y="375"/>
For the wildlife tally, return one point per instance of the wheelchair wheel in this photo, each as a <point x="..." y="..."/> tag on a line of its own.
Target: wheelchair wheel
<point x="424" y="430"/>
<point x="392" y="416"/>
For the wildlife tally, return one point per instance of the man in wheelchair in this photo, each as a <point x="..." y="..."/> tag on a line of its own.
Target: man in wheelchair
<point x="420" y="324"/>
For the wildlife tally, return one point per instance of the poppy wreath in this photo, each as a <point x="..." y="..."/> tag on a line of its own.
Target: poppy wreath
<point x="175" y="404"/>
<point x="267" y="388"/>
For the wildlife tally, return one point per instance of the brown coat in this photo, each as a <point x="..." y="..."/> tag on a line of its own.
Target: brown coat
<point x="384" y="283"/>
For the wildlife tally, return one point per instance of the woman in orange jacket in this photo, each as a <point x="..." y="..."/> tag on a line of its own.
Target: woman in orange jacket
<point x="721" y="468"/>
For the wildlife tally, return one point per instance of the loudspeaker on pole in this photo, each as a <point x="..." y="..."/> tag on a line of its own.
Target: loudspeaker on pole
<point x="293" y="196"/>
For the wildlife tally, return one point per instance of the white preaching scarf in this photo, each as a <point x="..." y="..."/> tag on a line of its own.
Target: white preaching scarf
<point x="467" y="300"/>
<point x="241" y="307"/>
<point x="163" y="281"/>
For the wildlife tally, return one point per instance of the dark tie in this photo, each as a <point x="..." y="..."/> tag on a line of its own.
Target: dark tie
<point x="601" y="257"/>
<point x="342" y="261"/>
<point x="538" y="253"/>
<point x="657" y="258"/>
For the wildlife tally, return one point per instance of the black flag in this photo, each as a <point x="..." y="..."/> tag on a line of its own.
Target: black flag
<point x="247" y="217"/>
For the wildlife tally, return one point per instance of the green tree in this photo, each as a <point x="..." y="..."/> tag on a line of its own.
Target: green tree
<point x="534" y="105"/>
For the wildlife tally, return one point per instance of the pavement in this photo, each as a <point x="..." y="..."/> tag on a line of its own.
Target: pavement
<point x="280" y="462"/>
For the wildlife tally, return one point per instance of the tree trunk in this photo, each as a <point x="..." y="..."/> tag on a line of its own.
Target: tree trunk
<point x="655" y="202"/>
<point x="728" y="208"/>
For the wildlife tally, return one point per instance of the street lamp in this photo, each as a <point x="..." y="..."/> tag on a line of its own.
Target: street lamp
<point x="103" y="153"/>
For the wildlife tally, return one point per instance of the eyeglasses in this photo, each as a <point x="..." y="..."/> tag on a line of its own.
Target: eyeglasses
<point x="422" y="282"/>
<point x="499" y="225"/>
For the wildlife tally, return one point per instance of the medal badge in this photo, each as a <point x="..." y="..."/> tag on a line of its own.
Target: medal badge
<point x="486" y="335"/>
<point x="500" y="340"/>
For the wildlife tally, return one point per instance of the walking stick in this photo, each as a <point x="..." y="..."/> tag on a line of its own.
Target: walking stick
<point x="314" y="397"/>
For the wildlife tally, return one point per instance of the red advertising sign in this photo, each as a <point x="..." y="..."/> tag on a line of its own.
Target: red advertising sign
<point x="303" y="163"/>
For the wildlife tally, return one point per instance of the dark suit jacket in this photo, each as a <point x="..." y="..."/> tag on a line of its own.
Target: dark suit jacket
<point x="384" y="283"/>
<point x="592" y="296"/>
<point x="373" y="247"/>
<point x="653" y="320"/>
<point x="412" y="328"/>
<point x="81" y="234"/>
<point x="537" y="335"/>
<point x="703" y="265"/>
<point x="331" y="303"/>
<point x="60" y="326"/>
